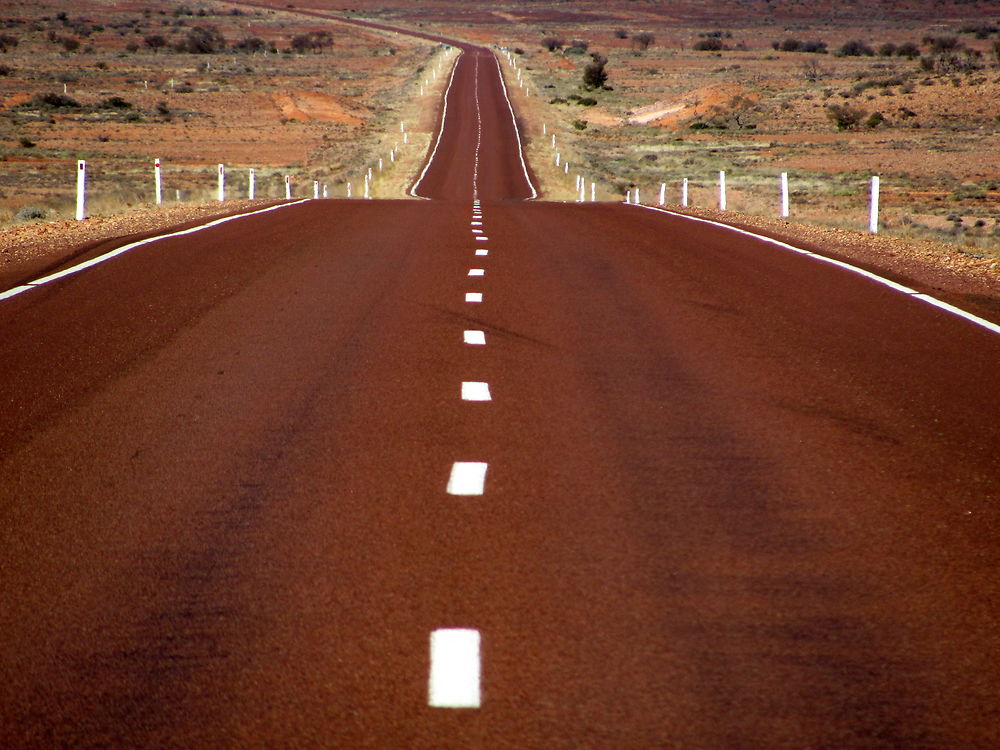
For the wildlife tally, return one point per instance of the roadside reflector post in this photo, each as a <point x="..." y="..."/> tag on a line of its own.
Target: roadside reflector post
<point x="553" y="140"/>
<point x="251" y="184"/>
<point x="157" y="182"/>
<point x="288" y="186"/>
<point x="593" y="192"/>
<point x="545" y="129"/>
<point x="315" y="189"/>
<point x="348" y="190"/>
<point x="81" y="190"/>
<point x="367" y="189"/>
<point x="873" y="212"/>
<point x="722" y="190"/>
<point x="222" y="182"/>
<point x="684" y="192"/>
<point x="663" y="193"/>
<point x="380" y="164"/>
<point x="557" y="158"/>
<point x="784" y="195"/>
<point x="406" y="138"/>
<point x="326" y="193"/>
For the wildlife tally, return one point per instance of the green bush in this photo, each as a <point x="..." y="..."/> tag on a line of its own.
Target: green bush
<point x="30" y="213"/>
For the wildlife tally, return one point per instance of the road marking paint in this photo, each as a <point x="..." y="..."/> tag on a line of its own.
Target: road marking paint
<point x="912" y="293"/>
<point x="475" y="223"/>
<point x="475" y="391"/>
<point x="477" y="231"/>
<point x="444" y="115"/>
<point x="125" y="248"/>
<point x="473" y="296"/>
<point x="456" y="666"/>
<point x="477" y="272"/>
<point x="482" y="251"/>
<point x="476" y="338"/>
<point x="517" y="131"/>
<point x="482" y="239"/>
<point x="467" y="478"/>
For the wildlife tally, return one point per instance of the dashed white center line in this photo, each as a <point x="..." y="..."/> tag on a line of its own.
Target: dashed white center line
<point x="482" y="251"/>
<point x="475" y="223"/>
<point x="476" y="338"/>
<point x="477" y="231"/>
<point x="473" y="296"/>
<point x="475" y="391"/>
<point x="467" y="478"/>
<point x="477" y="272"/>
<point x="482" y="239"/>
<point x="456" y="667"/>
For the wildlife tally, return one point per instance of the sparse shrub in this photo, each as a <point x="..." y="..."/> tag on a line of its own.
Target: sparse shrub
<point x="874" y="120"/>
<point x="621" y="34"/>
<point x="594" y="75"/>
<point x="132" y="47"/>
<point x="643" y="40"/>
<point x="27" y="143"/>
<point x="115" y="102"/>
<point x="887" y="50"/>
<point x="54" y="101"/>
<point x="552" y="43"/>
<point x="580" y="124"/>
<point x="586" y="101"/>
<point x="30" y="213"/>
<point x="7" y="42"/>
<point x="712" y="44"/>
<point x="844" y="117"/>
<point x="909" y="50"/>
<point x="155" y="42"/>
<point x="6" y="70"/>
<point x="855" y="48"/>
<point x="70" y="44"/>
<point x="162" y="109"/>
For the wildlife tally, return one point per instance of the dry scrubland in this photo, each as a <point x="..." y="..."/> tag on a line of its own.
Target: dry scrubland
<point x="929" y="124"/>
<point x="197" y="84"/>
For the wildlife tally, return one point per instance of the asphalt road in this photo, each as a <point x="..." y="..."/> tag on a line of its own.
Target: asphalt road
<point x="722" y="495"/>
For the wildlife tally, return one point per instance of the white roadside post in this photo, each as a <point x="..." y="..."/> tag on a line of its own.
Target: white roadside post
<point x="663" y="193"/>
<point x="367" y="188"/>
<point x="288" y="186"/>
<point x="348" y="190"/>
<point x="157" y="182"/>
<point x="251" y="184"/>
<point x="722" y="190"/>
<point x="784" y="195"/>
<point x="557" y="158"/>
<point x="326" y="193"/>
<point x="637" y="201"/>
<point x="684" y="192"/>
<point x="583" y="190"/>
<point x="628" y="195"/>
<point x="553" y="140"/>
<point x="315" y="189"/>
<point x="222" y="182"/>
<point x="593" y="192"/>
<point x="873" y="212"/>
<point x="545" y="129"/>
<point x="81" y="190"/>
<point x="566" y="167"/>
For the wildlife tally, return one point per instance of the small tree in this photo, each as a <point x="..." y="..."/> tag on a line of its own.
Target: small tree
<point x="643" y="40"/>
<point x="155" y="42"/>
<point x="621" y="34"/>
<point x="594" y="75"/>
<point x="552" y="43"/>
<point x="70" y="44"/>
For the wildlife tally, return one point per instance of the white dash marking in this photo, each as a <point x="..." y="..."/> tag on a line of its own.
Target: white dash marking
<point x="467" y="478"/>
<point x="477" y="272"/>
<point x="477" y="338"/>
<point x="477" y="231"/>
<point x="455" y="668"/>
<point x="474" y="391"/>
<point x="482" y="251"/>
<point x="475" y="223"/>
<point x="473" y="296"/>
<point x="482" y="239"/>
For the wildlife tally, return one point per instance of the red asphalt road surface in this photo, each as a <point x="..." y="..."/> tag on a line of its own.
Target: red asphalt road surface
<point x="735" y="497"/>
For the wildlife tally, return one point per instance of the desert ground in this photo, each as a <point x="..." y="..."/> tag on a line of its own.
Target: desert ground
<point x="908" y="91"/>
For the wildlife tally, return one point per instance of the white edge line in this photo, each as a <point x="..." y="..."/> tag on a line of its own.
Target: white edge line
<point x="444" y="116"/>
<point x="131" y="246"/>
<point x="513" y="119"/>
<point x="988" y="325"/>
